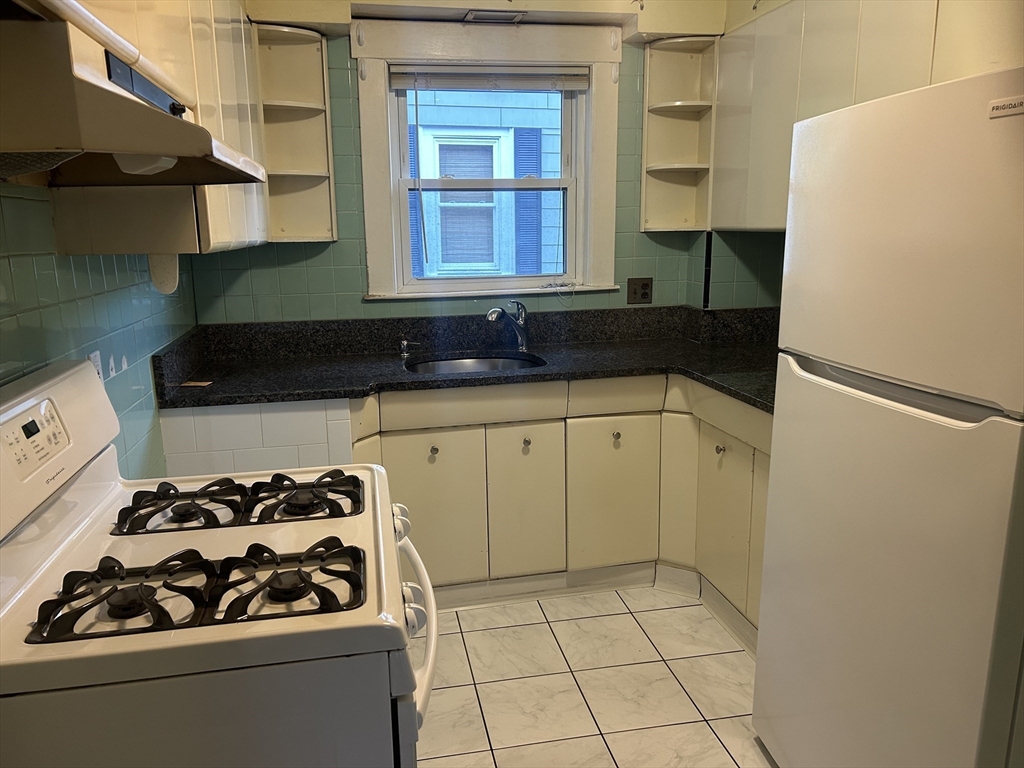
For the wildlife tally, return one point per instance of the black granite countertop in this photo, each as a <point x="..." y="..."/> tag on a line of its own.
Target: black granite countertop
<point x="297" y="363"/>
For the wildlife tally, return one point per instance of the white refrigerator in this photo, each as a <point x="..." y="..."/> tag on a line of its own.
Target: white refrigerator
<point x="892" y="607"/>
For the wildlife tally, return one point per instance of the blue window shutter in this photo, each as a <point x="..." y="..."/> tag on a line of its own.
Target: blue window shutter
<point x="415" y="228"/>
<point x="528" y="210"/>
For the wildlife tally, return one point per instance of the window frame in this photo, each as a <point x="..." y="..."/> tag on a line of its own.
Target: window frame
<point x="589" y="120"/>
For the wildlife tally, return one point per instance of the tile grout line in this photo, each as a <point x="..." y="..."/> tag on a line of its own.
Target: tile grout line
<point x="476" y="690"/>
<point x="578" y="687"/>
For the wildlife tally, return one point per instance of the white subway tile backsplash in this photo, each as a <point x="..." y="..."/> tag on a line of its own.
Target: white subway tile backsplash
<point x="314" y="455"/>
<point x="337" y="410"/>
<point x="255" y="459"/>
<point x="202" y="463"/>
<point x="302" y="423"/>
<point x="228" y="427"/>
<point x="178" y="429"/>
<point x="339" y="442"/>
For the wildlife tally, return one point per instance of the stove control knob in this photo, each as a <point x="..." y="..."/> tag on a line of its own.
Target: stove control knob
<point x="412" y="592"/>
<point x="415" y="618"/>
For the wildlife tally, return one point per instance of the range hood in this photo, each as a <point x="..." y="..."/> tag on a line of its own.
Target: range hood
<point x="72" y="119"/>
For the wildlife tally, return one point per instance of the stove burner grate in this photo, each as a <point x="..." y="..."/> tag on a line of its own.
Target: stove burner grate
<point x="289" y="580"/>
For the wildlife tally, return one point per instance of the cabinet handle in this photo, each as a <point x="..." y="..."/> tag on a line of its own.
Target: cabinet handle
<point x="527" y="442"/>
<point x="434" y="450"/>
<point x="719" y="450"/>
<point x="616" y="435"/>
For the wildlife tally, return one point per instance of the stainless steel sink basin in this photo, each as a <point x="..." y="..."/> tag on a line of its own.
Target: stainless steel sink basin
<point x="472" y="364"/>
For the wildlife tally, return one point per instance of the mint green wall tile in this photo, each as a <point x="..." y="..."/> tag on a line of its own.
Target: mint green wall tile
<point x="745" y="295"/>
<point x="239" y="309"/>
<point x="295" y="307"/>
<point x="723" y="269"/>
<point x="320" y="279"/>
<point x="323" y="307"/>
<point x="267" y="309"/>
<point x="293" y="281"/>
<point x="721" y="296"/>
<point x="265" y="281"/>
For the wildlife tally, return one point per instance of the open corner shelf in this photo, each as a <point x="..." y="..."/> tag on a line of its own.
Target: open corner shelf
<point x="683" y="44"/>
<point x="303" y="106"/>
<point x="679" y="107"/>
<point x="677" y="167"/>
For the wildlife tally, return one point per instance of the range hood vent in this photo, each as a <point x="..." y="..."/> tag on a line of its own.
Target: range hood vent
<point x="84" y="126"/>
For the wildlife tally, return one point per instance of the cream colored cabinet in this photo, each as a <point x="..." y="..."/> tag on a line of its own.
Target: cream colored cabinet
<point x="724" y="485"/>
<point x="758" y="515"/>
<point x="894" y="47"/>
<point x="612" y="489"/>
<point x="526" y="498"/>
<point x="679" y="453"/>
<point x="368" y="451"/>
<point x="440" y="475"/>
<point x="828" y="62"/>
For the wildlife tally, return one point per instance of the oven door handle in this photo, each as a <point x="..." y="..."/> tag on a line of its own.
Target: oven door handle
<point x="425" y="674"/>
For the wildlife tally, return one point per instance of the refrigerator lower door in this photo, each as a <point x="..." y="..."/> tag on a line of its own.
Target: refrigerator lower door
<point x="893" y="590"/>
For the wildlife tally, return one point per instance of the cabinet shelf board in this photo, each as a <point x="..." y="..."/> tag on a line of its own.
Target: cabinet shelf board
<point x="294" y="105"/>
<point x="683" y="44"/>
<point x="311" y="174"/>
<point x="677" y="168"/>
<point x="679" y="107"/>
<point x="273" y="33"/>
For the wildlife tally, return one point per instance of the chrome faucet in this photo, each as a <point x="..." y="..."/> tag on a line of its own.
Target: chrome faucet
<point x="518" y="321"/>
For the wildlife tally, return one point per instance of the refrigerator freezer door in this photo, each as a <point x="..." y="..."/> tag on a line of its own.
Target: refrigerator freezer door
<point x="905" y="240"/>
<point x="893" y="584"/>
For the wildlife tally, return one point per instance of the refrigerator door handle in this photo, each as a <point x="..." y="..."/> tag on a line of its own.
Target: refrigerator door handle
<point x="941" y="408"/>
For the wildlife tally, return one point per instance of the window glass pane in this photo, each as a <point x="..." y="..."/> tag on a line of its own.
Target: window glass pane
<point x="522" y="232"/>
<point x="524" y="129"/>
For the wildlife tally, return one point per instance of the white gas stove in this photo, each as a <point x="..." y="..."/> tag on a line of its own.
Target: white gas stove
<point x="259" y="619"/>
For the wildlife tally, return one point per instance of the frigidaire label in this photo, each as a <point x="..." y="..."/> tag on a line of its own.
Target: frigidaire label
<point x="1005" y="107"/>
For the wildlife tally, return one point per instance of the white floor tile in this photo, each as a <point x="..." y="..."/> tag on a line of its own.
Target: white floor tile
<point x="603" y="641"/>
<point x="653" y="599"/>
<point x="636" y="696"/>
<point x="738" y="736"/>
<point x="720" y="686"/>
<point x="501" y="616"/>
<point x="588" y="752"/>
<point x="472" y="760"/>
<point x="673" y="746"/>
<point x="452" y="664"/>
<point x="447" y="624"/>
<point x="453" y="724"/>
<point x="680" y="632"/>
<point x="583" y="606"/>
<point x="510" y="652"/>
<point x="534" y="709"/>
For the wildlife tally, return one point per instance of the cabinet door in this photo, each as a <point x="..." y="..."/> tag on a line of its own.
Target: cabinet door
<point x="894" y="50"/>
<point x="772" y="114"/>
<point x="758" y="516"/>
<point x="828" y="62"/>
<point x="724" y="483"/>
<point x="165" y="38"/>
<point x="612" y="474"/>
<point x="526" y="497"/>
<point x="679" y="452"/>
<point x="440" y="475"/>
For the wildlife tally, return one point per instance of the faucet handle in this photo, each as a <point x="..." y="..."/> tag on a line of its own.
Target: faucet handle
<point x="520" y="309"/>
<point x="406" y="344"/>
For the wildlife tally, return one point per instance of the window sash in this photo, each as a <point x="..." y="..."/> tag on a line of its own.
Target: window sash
<point x="436" y="77"/>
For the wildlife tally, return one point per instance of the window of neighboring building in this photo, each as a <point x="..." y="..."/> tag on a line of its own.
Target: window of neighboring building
<point x="489" y="169"/>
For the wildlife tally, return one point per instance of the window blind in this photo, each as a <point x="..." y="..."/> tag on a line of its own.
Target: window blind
<point x="436" y="77"/>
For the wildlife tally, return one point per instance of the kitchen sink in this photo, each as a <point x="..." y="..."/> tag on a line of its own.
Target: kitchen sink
<point x="473" y="364"/>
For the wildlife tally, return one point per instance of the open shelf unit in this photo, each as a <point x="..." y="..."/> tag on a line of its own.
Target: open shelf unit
<point x="296" y="115"/>
<point x="679" y="114"/>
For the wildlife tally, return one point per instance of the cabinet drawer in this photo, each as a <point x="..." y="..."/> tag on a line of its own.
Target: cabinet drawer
<point x="473" y="405"/>
<point x="612" y="489"/>
<point x="526" y="497"/>
<point x="629" y="394"/>
<point x="724" y="484"/>
<point x="440" y="475"/>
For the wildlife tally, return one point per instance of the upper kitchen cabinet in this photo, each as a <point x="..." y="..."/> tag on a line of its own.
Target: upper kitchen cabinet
<point x="828" y="62"/>
<point x="328" y="17"/>
<point x="894" y="48"/>
<point x="297" y="128"/>
<point x="758" y="78"/>
<point x="679" y="115"/>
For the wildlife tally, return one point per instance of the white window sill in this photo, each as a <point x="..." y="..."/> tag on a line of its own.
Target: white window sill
<point x="562" y="289"/>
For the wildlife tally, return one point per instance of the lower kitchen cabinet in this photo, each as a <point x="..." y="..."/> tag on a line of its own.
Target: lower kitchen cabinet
<point x="612" y="489"/>
<point x="758" y="515"/>
<point x="526" y="497"/>
<point x="680" y="437"/>
<point x="440" y="474"/>
<point x="724" y="485"/>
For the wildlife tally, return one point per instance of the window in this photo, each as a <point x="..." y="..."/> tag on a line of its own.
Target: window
<point x="479" y="178"/>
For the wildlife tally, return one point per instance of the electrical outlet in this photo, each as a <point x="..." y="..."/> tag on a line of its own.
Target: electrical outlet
<point x="97" y="363"/>
<point x="639" y="290"/>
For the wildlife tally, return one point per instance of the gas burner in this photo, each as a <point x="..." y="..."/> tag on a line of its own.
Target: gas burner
<point x="212" y="592"/>
<point x="333" y="494"/>
<point x="288" y="587"/>
<point x="214" y="505"/>
<point x="130" y="602"/>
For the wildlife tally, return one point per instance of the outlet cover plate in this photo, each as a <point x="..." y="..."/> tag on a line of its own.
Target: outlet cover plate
<point x="639" y="290"/>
